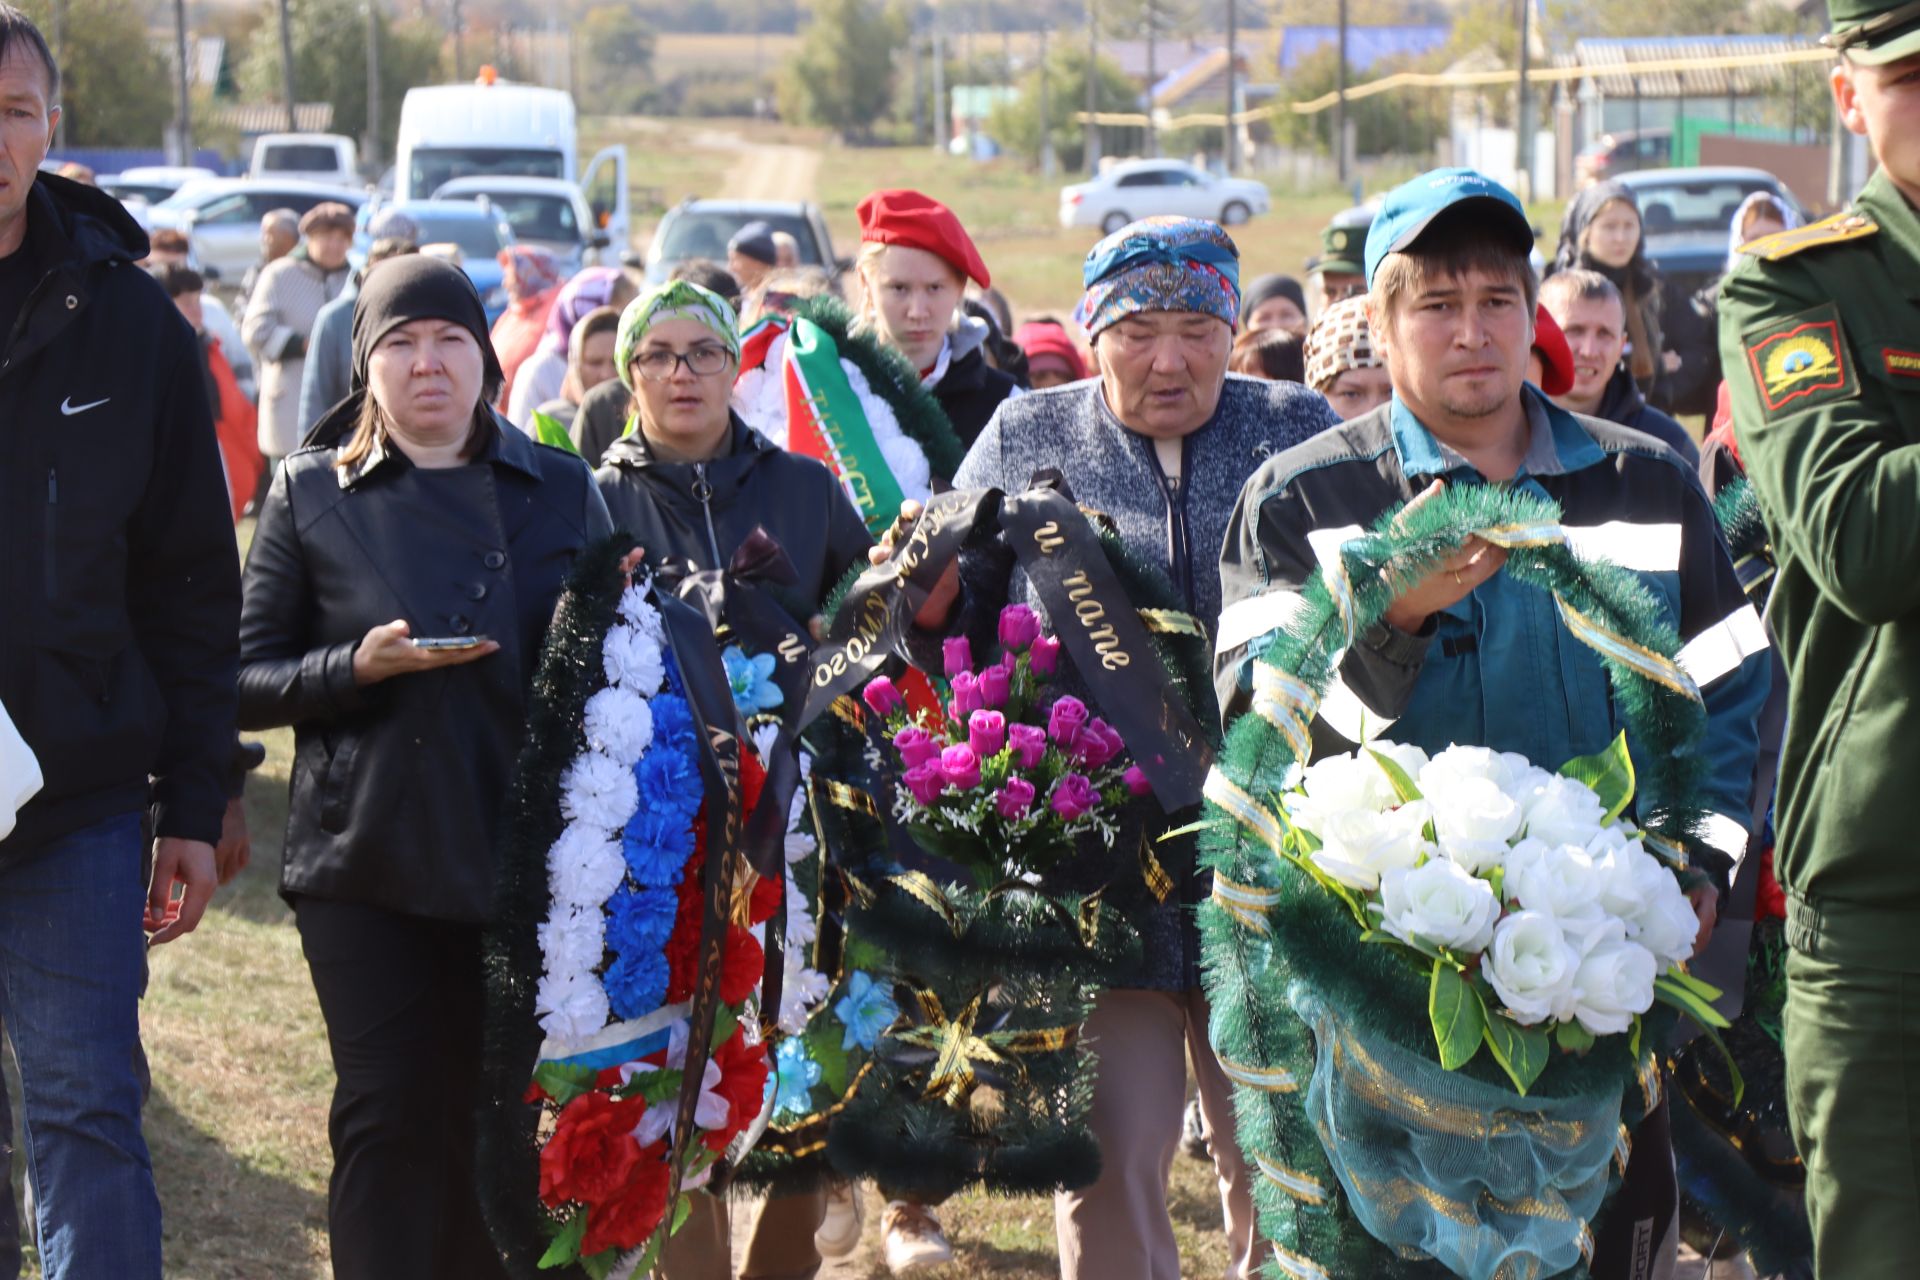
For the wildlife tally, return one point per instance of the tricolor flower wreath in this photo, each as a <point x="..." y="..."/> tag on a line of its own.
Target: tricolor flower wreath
<point x="618" y="953"/>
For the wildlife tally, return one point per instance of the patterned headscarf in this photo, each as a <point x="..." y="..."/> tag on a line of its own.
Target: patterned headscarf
<point x="529" y="271"/>
<point x="679" y="300"/>
<point x="1160" y="264"/>
<point x="589" y="289"/>
<point x="1339" y="341"/>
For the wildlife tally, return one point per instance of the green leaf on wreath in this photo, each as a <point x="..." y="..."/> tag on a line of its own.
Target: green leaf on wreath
<point x="1520" y="1051"/>
<point x="1459" y="1018"/>
<point x="1633" y="1043"/>
<point x="1573" y="1037"/>
<point x="724" y="1021"/>
<point x="655" y="1086"/>
<point x="564" y="1081"/>
<point x="681" y="1212"/>
<point x="1681" y="978"/>
<point x="1609" y="773"/>
<point x="1667" y="991"/>
<point x="566" y="1246"/>
<point x="1402" y="784"/>
<point x="1192" y="828"/>
<point x="600" y="1265"/>
<point x="824" y="1048"/>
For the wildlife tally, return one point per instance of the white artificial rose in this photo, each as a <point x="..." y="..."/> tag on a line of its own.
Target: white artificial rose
<point x="1562" y="881"/>
<point x="574" y="940"/>
<point x="1357" y="845"/>
<point x="1668" y="925"/>
<point x="584" y="867"/>
<point x="1440" y="903"/>
<point x="1613" y="983"/>
<point x="1340" y="783"/>
<point x="638" y="612"/>
<point x="632" y="658"/>
<point x="570" y="1007"/>
<point x="1630" y="877"/>
<point x="1475" y="820"/>
<point x="1562" y="811"/>
<point x="599" y="791"/>
<point x="1410" y="758"/>
<point x="1530" y="965"/>
<point x="801" y="991"/>
<point x="1460" y="764"/>
<point x="620" y="723"/>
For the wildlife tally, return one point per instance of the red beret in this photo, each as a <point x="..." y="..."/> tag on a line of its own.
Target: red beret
<point x="1039" y="338"/>
<point x="921" y="222"/>
<point x="1556" y="357"/>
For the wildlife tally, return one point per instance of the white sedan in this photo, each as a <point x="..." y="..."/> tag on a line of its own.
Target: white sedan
<point x="1143" y="188"/>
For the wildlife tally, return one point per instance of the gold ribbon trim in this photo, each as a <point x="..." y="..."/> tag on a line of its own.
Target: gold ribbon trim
<point x="956" y="1046"/>
<point x="921" y="886"/>
<point x="843" y="796"/>
<point x="1287" y="705"/>
<point x="1298" y="1185"/>
<point x="1264" y="1079"/>
<point x="1298" y="1267"/>
<point x="1622" y="1149"/>
<point x="845" y="708"/>
<point x="1171" y="622"/>
<point x="1159" y="883"/>
<point x="1244" y="809"/>
<point x="1245" y="903"/>
<point x="1610" y="644"/>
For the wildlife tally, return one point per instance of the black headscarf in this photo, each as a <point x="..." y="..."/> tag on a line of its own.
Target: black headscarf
<point x="418" y="287"/>
<point x="1266" y="289"/>
<point x="1638" y="275"/>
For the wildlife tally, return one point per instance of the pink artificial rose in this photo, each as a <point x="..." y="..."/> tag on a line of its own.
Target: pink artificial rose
<point x="1014" y="799"/>
<point x="915" y="745"/>
<point x="882" y="697"/>
<point x="926" y="781"/>
<point x="958" y="654"/>
<point x="966" y="697"/>
<point x="961" y="766"/>
<point x="1019" y="627"/>
<point x="1029" y="744"/>
<point x="1096" y="744"/>
<point x="996" y="682"/>
<point x="986" y="733"/>
<point x="1136" y="780"/>
<point x="1065" y="720"/>
<point x="1045" y="655"/>
<point x="1073" y="797"/>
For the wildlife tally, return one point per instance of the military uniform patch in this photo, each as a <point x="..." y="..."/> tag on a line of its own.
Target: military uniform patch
<point x="1803" y="361"/>
<point x="1901" y="364"/>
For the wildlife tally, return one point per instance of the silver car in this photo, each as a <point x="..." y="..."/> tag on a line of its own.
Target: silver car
<point x="222" y="216"/>
<point x="1137" y="189"/>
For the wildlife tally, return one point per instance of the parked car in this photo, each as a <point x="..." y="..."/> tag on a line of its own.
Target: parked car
<point x="1685" y="215"/>
<point x="550" y="212"/>
<point x="222" y="215"/>
<point x="477" y="229"/>
<point x="1143" y="188"/>
<point x="701" y="229"/>
<point x="1628" y="151"/>
<point x="150" y="184"/>
<point x="305" y="157"/>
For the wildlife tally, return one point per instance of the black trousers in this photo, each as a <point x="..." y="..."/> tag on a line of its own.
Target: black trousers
<point x="1631" y="1235"/>
<point x="403" y="1003"/>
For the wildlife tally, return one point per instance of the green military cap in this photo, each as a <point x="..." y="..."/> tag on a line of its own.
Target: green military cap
<point x="1343" y="243"/>
<point x="1874" y="32"/>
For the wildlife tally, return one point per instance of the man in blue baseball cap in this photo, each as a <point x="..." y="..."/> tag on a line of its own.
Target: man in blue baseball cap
<point x="1470" y="654"/>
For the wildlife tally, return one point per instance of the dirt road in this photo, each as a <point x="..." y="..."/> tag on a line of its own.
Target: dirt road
<point x="772" y="172"/>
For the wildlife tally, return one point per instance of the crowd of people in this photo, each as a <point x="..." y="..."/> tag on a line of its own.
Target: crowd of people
<point x="419" y="475"/>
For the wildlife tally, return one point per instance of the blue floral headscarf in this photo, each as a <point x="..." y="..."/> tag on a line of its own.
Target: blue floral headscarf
<point x="1160" y="264"/>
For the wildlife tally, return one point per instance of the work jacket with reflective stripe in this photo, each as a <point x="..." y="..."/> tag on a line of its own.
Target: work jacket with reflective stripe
<point x="1499" y="669"/>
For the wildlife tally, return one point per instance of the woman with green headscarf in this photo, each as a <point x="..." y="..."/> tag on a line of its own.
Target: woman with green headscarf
<point x="690" y="480"/>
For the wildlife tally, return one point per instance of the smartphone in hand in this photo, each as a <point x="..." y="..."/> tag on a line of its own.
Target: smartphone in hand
<point x="449" y="642"/>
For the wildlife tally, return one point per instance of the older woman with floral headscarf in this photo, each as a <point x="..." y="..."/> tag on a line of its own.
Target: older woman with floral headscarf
<point x="531" y="277"/>
<point x="1161" y="441"/>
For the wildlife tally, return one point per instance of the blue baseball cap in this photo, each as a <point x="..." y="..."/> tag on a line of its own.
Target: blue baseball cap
<point x="1410" y="208"/>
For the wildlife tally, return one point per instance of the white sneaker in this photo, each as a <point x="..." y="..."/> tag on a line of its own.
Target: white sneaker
<point x="913" y="1237"/>
<point x="839" y="1233"/>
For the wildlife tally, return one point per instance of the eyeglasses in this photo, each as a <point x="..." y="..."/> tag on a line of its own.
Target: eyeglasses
<point x="660" y="364"/>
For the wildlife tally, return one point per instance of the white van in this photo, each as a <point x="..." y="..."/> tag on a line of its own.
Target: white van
<point x="305" y="157"/>
<point x="497" y="128"/>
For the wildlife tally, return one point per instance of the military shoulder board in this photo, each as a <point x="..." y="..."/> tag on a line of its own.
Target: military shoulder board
<point x="1838" y="229"/>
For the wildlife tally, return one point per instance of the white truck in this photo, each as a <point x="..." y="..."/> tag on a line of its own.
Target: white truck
<point x="306" y="157"/>
<point x="495" y="128"/>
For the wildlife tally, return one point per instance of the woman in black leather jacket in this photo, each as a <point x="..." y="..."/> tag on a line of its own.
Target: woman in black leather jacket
<point x="691" y="482"/>
<point x="413" y="514"/>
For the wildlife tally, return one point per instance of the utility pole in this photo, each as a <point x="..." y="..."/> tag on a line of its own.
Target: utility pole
<point x="1092" y="133"/>
<point x="1233" y="55"/>
<point x="1153" y="77"/>
<point x="370" y="157"/>
<point x="940" y="116"/>
<point x="183" y="103"/>
<point x="286" y="63"/>
<point x="919" y="91"/>
<point x="459" y="51"/>
<point x="1340" y="103"/>
<point x="60" y="59"/>
<point x="1046" y="114"/>
<point x="1522" y="134"/>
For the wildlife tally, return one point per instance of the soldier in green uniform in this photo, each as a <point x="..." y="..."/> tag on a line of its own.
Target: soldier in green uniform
<point x="1337" y="272"/>
<point x="1820" y="334"/>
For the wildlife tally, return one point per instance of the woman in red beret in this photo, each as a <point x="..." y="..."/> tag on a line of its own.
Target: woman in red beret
<point x="1053" y="356"/>
<point x="915" y="261"/>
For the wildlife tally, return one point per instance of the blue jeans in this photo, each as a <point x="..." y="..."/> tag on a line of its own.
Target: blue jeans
<point x="72" y="965"/>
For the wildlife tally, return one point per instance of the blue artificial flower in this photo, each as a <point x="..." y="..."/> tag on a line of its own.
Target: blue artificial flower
<point x="797" y="1074"/>
<point x="640" y="920"/>
<point x="636" y="983"/>
<point x="866" y="1009"/>
<point x="673" y="721"/>
<point x="657" y="842"/>
<point x="675" y="685"/>
<point x="751" y="679"/>
<point x="668" y="777"/>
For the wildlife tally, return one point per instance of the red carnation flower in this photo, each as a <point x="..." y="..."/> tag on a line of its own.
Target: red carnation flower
<point x="742" y="965"/>
<point x="743" y="1083"/>
<point x="768" y="892"/>
<point x="630" y="1217"/>
<point x="592" y="1152"/>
